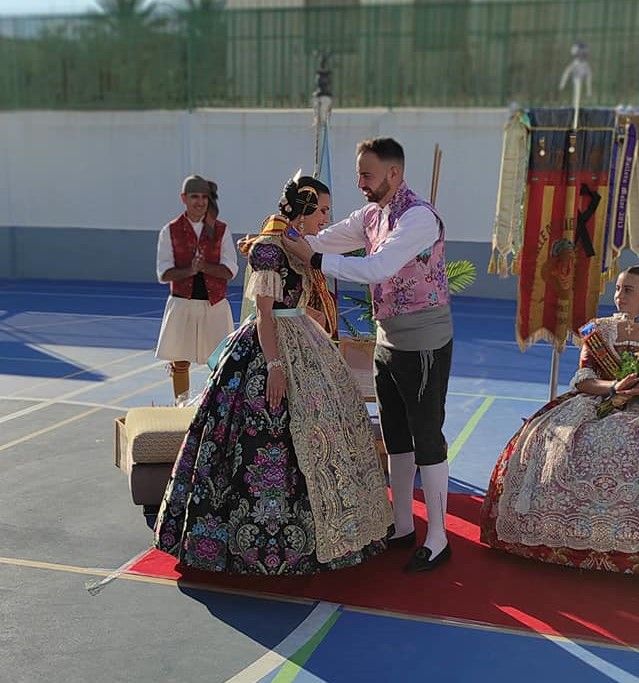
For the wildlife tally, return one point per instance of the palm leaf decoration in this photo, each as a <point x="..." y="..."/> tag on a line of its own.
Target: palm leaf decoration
<point x="461" y="274"/>
<point x="365" y="305"/>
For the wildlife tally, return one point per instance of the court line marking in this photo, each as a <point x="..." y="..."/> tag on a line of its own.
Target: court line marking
<point x="38" y="400"/>
<point x="84" y="404"/>
<point x="447" y="621"/>
<point x="87" y="370"/>
<point x="320" y="620"/>
<point x="26" y="359"/>
<point x="498" y="397"/>
<point x="76" y="319"/>
<point x="469" y="428"/>
<point x="592" y="660"/>
<point x="303" y="640"/>
<point x="86" y="413"/>
<point x="485" y="626"/>
<point x="162" y="296"/>
<point x="81" y="295"/>
<point x="81" y="390"/>
<point x="295" y="664"/>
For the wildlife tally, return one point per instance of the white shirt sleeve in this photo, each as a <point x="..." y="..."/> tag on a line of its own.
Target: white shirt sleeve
<point x="347" y="235"/>
<point x="415" y="232"/>
<point x="165" y="258"/>
<point x="228" y="255"/>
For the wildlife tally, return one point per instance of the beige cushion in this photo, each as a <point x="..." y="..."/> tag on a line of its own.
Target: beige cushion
<point x="154" y="435"/>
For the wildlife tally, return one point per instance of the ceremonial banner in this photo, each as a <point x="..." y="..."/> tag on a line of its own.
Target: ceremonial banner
<point x="619" y="185"/>
<point x="630" y="123"/>
<point x="508" y="229"/>
<point x="564" y="223"/>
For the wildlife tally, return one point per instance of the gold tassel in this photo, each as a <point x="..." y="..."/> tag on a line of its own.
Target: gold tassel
<point x="502" y="265"/>
<point x="492" y="264"/>
<point x="515" y="267"/>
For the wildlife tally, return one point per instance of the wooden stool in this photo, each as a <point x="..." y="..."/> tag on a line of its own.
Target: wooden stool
<point x="147" y="442"/>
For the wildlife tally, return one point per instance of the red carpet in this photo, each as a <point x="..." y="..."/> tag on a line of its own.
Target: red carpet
<point x="478" y="584"/>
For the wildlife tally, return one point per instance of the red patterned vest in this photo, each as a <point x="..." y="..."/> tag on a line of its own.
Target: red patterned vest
<point x="185" y="244"/>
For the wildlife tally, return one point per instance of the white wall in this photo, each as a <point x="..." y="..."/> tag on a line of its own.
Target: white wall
<point x="123" y="169"/>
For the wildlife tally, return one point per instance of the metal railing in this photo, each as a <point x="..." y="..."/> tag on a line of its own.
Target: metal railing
<point x="430" y="54"/>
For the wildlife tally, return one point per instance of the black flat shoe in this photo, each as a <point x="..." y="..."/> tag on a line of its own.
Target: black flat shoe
<point x="406" y="541"/>
<point x="421" y="562"/>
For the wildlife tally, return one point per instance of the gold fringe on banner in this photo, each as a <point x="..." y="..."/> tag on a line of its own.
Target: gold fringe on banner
<point x="516" y="264"/>
<point x="508" y="225"/>
<point x="492" y="264"/>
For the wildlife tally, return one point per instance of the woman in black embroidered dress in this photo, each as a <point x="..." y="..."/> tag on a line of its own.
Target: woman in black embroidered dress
<point x="278" y="473"/>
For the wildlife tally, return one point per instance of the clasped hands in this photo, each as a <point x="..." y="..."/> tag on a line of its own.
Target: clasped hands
<point x="198" y="265"/>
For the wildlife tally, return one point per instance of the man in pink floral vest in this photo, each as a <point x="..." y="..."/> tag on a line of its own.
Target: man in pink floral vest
<point x="405" y="267"/>
<point x="196" y="257"/>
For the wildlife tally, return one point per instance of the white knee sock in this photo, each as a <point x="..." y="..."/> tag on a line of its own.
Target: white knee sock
<point x="402" y="470"/>
<point x="435" y="485"/>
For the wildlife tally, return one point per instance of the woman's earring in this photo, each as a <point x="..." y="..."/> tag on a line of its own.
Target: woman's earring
<point x="302" y="227"/>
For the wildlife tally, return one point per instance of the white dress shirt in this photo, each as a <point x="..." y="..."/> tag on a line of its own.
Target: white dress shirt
<point x="166" y="260"/>
<point x="416" y="230"/>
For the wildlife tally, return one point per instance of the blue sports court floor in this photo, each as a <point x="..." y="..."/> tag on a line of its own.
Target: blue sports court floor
<point x="73" y="356"/>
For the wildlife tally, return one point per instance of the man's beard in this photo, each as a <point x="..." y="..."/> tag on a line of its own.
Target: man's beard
<point x="381" y="191"/>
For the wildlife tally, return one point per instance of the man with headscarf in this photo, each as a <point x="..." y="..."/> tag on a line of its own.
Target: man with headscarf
<point x="196" y="257"/>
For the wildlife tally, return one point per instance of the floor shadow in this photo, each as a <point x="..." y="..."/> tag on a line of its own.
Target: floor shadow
<point x="479" y="584"/>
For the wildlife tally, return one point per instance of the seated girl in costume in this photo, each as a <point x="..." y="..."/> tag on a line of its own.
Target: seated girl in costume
<point x="278" y="473"/>
<point x="566" y="487"/>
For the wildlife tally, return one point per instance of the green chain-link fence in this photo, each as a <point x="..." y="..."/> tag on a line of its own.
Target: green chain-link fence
<point x="428" y="54"/>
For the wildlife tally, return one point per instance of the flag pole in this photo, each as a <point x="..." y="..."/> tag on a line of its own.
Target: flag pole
<point x="579" y="72"/>
<point x="322" y="105"/>
<point x="434" y="178"/>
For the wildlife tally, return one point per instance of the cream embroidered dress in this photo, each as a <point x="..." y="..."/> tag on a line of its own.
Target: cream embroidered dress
<point x="566" y="487"/>
<point x="294" y="490"/>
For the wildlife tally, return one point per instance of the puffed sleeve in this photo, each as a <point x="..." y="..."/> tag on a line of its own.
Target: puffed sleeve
<point x="266" y="261"/>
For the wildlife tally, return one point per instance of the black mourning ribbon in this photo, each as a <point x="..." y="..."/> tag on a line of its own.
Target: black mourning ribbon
<point x="584" y="216"/>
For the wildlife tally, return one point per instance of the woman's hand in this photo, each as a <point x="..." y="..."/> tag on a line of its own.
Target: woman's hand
<point x="244" y="243"/>
<point x="299" y="247"/>
<point x="628" y="386"/>
<point x="275" y="386"/>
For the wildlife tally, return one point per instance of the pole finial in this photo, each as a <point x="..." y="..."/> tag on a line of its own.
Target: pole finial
<point x="323" y="76"/>
<point x="578" y="69"/>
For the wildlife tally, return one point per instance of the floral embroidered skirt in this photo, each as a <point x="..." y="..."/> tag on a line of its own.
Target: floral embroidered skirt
<point x="565" y="490"/>
<point x="238" y="500"/>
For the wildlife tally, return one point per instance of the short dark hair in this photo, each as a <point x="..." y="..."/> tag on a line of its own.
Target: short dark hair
<point x="633" y="270"/>
<point x="385" y="149"/>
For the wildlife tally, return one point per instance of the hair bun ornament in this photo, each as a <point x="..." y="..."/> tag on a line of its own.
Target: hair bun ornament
<point x="290" y="203"/>
<point x="289" y="197"/>
<point x="290" y="188"/>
